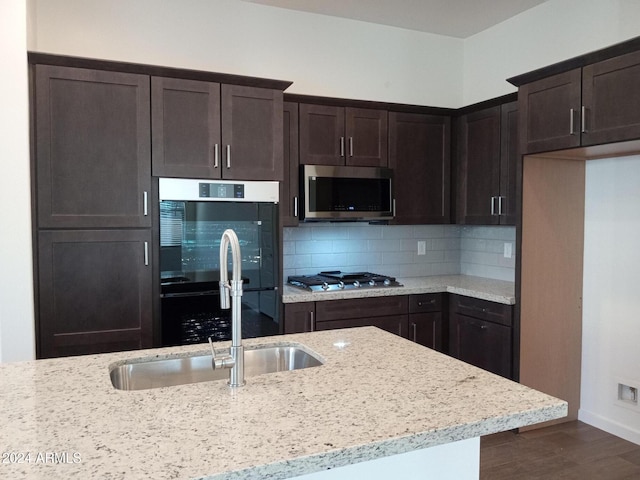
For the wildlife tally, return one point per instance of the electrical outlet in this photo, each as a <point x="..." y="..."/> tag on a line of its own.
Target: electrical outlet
<point x="422" y="247"/>
<point x="508" y="250"/>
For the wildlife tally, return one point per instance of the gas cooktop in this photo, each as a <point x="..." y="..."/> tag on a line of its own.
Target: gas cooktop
<point x="336" y="280"/>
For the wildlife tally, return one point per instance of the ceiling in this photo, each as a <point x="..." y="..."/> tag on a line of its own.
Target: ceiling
<point x="454" y="18"/>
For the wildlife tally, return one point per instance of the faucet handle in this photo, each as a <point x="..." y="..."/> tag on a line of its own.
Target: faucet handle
<point x="220" y="361"/>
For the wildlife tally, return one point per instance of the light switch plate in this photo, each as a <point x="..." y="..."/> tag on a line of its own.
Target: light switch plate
<point x="508" y="250"/>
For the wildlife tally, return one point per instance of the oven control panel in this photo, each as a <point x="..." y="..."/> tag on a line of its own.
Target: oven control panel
<point x="221" y="190"/>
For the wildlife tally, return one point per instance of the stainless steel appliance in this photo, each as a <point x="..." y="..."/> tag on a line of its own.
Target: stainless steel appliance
<point x="334" y="193"/>
<point x="336" y="280"/>
<point x="194" y="214"/>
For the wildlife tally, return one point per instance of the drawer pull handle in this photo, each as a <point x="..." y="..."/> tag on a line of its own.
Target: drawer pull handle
<point x="481" y="327"/>
<point x="430" y="302"/>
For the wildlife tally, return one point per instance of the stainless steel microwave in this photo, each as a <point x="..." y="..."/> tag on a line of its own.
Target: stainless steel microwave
<point x="335" y="193"/>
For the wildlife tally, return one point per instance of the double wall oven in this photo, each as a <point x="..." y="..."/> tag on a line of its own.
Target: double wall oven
<point x="193" y="215"/>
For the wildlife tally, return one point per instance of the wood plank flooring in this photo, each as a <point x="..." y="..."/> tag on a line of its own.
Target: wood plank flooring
<point x="568" y="451"/>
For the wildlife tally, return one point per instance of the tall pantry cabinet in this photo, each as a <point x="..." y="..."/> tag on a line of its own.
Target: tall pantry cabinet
<point x="92" y="168"/>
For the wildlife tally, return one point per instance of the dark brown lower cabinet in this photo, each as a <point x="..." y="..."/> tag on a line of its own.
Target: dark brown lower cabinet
<point x="94" y="289"/>
<point x="388" y="313"/>
<point x="426" y="320"/>
<point x="299" y="317"/>
<point x="475" y="331"/>
<point x="480" y="333"/>
<point x="416" y="317"/>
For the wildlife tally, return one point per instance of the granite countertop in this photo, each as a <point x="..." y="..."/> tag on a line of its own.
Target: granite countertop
<point x="376" y="395"/>
<point x="498" y="291"/>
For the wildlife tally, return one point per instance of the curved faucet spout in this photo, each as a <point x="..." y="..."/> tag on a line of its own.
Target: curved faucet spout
<point x="233" y="289"/>
<point x="229" y="238"/>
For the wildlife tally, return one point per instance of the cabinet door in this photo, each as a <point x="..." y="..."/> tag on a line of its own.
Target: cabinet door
<point x="611" y="98"/>
<point x="322" y="139"/>
<point x="93" y="158"/>
<point x="509" y="158"/>
<point x="483" y="344"/>
<point x="185" y="128"/>
<point x="251" y="133"/>
<point x="419" y="154"/>
<point x="550" y="113"/>
<point x="94" y="291"/>
<point x="289" y="188"/>
<point x="299" y="317"/>
<point x="478" y="167"/>
<point x="366" y="137"/>
<point x="426" y="329"/>
<point x="396" y="324"/>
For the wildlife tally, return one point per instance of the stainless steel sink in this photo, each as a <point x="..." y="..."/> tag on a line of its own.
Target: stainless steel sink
<point x="141" y="374"/>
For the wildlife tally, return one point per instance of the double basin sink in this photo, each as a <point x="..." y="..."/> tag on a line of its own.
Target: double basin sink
<point x="155" y="373"/>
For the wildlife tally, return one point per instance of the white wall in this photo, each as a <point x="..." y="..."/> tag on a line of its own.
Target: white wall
<point x="16" y="280"/>
<point x="322" y="55"/>
<point x="611" y="295"/>
<point x="551" y="32"/>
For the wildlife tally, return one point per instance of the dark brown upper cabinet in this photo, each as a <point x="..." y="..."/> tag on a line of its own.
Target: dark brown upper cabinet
<point x="419" y="154"/>
<point x="487" y="151"/>
<point x="596" y="104"/>
<point x="93" y="156"/>
<point x="611" y="99"/>
<point x="186" y="128"/>
<point x="209" y="130"/>
<point x="289" y="201"/>
<point x="332" y="135"/>
<point x="509" y="157"/>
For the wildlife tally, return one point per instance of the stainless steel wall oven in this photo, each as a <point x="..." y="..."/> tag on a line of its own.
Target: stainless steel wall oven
<point x="193" y="215"/>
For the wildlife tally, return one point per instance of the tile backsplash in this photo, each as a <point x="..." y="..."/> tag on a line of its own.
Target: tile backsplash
<point x="393" y="250"/>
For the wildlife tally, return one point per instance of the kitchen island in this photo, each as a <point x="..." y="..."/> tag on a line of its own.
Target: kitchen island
<point x="376" y="397"/>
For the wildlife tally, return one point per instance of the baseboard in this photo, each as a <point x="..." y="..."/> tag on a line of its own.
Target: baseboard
<point x="609" y="426"/>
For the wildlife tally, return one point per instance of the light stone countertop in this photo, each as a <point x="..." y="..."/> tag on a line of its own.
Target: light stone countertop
<point x="498" y="291"/>
<point x="376" y="395"/>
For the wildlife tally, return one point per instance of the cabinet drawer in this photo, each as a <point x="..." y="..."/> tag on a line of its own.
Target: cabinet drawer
<point x="482" y="309"/>
<point x="425" y="302"/>
<point x="396" y="324"/>
<point x="361" y="308"/>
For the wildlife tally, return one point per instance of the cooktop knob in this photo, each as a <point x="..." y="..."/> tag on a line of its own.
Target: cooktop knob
<point x="340" y="284"/>
<point x="372" y="283"/>
<point x="325" y="286"/>
<point x="356" y="284"/>
<point x="387" y="282"/>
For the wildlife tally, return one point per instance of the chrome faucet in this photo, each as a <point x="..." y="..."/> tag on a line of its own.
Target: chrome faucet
<point x="235" y="360"/>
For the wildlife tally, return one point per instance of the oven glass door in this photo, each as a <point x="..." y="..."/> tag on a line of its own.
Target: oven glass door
<point x="190" y="233"/>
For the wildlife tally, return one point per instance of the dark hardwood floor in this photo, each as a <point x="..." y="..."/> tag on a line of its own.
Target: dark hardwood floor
<point x="568" y="451"/>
